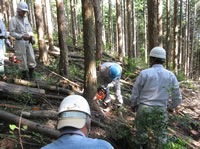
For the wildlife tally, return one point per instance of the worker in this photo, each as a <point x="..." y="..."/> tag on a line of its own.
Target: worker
<point x="21" y="30"/>
<point x="3" y="39"/>
<point x="74" y="124"/>
<point x="109" y="76"/>
<point x="150" y="98"/>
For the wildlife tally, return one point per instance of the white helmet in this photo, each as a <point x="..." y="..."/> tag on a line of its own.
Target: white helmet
<point x="73" y="112"/>
<point x="158" y="52"/>
<point x="22" y="6"/>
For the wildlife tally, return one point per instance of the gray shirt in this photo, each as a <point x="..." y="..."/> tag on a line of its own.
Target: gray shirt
<point x="154" y="86"/>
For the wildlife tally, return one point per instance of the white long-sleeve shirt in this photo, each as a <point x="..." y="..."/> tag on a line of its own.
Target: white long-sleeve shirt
<point x="154" y="86"/>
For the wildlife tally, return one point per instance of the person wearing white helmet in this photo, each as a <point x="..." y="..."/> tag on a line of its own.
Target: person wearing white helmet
<point x="21" y="30"/>
<point x="150" y="98"/>
<point x="109" y="76"/>
<point x="74" y="123"/>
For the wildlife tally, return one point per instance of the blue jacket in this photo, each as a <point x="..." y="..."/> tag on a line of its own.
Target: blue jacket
<point x="77" y="140"/>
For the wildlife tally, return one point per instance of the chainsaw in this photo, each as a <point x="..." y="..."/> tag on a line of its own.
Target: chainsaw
<point x="13" y="59"/>
<point x="101" y="93"/>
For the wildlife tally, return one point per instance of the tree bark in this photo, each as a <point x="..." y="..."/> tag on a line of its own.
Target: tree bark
<point x="98" y="28"/>
<point x="90" y="61"/>
<point x="119" y="30"/>
<point x="145" y="32"/>
<point x="175" y="48"/>
<point x="73" y="19"/>
<point x="160" y="30"/>
<point x="43" y="52"/>
<point x="128" y="3"/>
<point x="152" y="24"/>
<point x="134" y="30"/>
<point x="49" y="26"/>
<point x="167" y="32"/>
<point x="64" y="61"/>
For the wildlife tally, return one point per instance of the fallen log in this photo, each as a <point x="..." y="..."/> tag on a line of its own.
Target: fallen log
<point x="40" y="114"/>
<point x="53" y="115"/>
<point x="13" y="90"/>
<point x="52" y="133"/>
<point x="46" y="87"/>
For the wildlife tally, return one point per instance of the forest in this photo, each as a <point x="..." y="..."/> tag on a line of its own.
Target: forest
<point x="73" y="39"/>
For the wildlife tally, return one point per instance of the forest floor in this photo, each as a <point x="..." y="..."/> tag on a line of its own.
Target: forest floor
<point x="115" y="125"/>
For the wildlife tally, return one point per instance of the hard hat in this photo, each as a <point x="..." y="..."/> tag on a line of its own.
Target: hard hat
<point x="114" y="72"/>
<point x="73" y="112"/>
<point x="22" y="6"/>
<point x="158" y="52"/>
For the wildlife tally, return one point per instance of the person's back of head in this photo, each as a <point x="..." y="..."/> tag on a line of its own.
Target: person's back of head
<point x="158" y="55"/>
<point x="74" y="113"/>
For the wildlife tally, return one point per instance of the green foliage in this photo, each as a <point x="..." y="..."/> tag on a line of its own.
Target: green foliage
<point x="25" y="98"/>
<point x="132" y="65"/>
<point x="75" y="71"/>
<point x="175" y="143"/>
<point x="181" y="76"/>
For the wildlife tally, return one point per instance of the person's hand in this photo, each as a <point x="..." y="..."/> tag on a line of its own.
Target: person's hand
<point x="134" y="108"/>
<point x="26" y="37"/>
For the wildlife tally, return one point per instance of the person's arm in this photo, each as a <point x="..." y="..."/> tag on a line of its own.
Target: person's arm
<point x="136" y="90"/>
<point x="176" y="94"/>
<point x="3" y="32"/>
<point x="12" y="29"/>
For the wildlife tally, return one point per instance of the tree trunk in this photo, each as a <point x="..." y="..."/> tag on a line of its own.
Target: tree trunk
<point x="175" y="48"/>
<point x="180" y="39"/>
<point x="160" y="30"/>
<point x="167" y="32"/>
<point x="129" y="29"/>
<point x="152" y="24"/>
<point x="89" y="50"/>
<point x="98" y="28"/>
<point x="145" y="33"/>
<point x="64" y="60"/>
<point x="110" y="28"/>
<point x="49" y="26"/>
<point x="119" y="30"/>
<point x="43" y="52"/>
<point x="134" y="30"/>
<point x="73" y="18"/>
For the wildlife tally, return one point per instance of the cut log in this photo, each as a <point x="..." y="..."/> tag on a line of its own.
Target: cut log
<point x="7" y="89"/>
<point x="46" y="87"/>
<point x="52" y="133"/>
<point x="40" y="114"/>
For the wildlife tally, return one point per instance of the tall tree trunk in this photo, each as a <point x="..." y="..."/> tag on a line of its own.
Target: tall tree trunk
<point x="124" y="28"/>
<point x="110" y="28"/>
<point x="167" y="32"/>
<point x="180" y="52"/>
<point x="119" y="28"/>
<point x="175" y="48"/>
<point x="145" y="33"/>
<point x="129" y="28"/>
<point x="64" y="60"/>
<point x="160" y="30"/>
<point x="89" y="50"/>
<point x="43" y="52"/>
<point x="152" y="24"/>
<point x="103" y="27"/>
<point x="134" y="29"/>
<point x="7" y="4"/>
<point x="32" y="14"/>
<point x="73" y="18"/>
<point x="98" y="28"/>
<point x="49" y="26"/>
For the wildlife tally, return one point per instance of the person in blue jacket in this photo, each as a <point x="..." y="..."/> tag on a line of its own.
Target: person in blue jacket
<point x="74" y="124"/>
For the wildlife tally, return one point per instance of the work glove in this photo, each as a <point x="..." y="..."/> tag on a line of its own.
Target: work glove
<point x="26" y="37"/>
<point x="8" y="44"/>
<point x="32" y="40"/>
